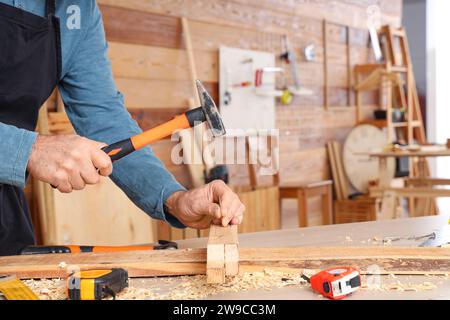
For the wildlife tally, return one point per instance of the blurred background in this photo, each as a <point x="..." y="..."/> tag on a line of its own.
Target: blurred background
<point x="301" y="67"/>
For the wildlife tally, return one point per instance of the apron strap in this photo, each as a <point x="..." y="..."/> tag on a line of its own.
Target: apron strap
<point x="50" y="7"/>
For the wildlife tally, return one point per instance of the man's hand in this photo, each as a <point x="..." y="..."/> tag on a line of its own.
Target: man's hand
<point x="68" y="162"/>
<point x="214" y="202"/>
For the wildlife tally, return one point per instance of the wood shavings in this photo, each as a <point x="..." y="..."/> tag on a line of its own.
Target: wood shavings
<point x="62" y="265"/>
<point x="377" y="239"/>
<point x="48" y="289"/>
<point x="184" y="287"/>
<point x="195" y="287"/>
<point x="398" y="285"/>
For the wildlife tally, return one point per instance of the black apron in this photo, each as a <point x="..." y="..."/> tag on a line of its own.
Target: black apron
<point x="30" y="68"/>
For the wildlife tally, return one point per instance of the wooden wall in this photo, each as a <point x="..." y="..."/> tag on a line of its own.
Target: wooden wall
<point x="151" y="69"/>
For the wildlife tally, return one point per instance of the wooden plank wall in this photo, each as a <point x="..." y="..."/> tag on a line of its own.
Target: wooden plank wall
<point x="151" y="69"/>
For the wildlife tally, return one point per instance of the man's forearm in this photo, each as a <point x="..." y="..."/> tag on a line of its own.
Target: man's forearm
<point x="15" y="146"/>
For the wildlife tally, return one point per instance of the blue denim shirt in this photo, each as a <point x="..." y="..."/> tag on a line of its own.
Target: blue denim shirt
<point x="95" y="108"/>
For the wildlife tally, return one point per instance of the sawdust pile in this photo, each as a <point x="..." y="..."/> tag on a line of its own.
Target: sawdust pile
<point x="195" y="287"/>
<point x="48" y="289"/>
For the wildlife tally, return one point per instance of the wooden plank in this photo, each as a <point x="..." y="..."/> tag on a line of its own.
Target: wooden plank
<point x="159" y="93"/>
<point x="148" y="118"/>
<point x="338" y="11"/>
<point x="325" y="64"/>
<point x="210" y="35"/>
<point x="197" y="161"/>
<point x="245" y="16"/>
<point x="334" y="171"/>
<point x="158" y="63"/>
<point x="340" y="170"/>
<point x="132" y="26"/>
<point x="390" y="260"/>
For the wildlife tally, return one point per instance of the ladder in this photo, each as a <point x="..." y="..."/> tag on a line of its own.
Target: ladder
<point x="394" y="78"/>
<point x="404" y="94"/>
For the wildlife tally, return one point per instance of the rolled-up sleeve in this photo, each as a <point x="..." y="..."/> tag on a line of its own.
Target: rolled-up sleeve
<point x="96" y="110"/>
<point x="15" y="145"/>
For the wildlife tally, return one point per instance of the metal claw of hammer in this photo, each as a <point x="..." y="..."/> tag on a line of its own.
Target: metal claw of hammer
<point x="207" y="112"/>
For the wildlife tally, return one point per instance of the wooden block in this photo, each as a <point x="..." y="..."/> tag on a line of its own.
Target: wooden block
<point x="223" y="235"/>
<point x="231" y="259"/>
<point x="215" y="264"/>
<point x="222" y="253"/>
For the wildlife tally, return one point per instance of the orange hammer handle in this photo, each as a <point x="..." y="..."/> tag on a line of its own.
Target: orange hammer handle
<point x="122" y="148"/>
<point x="145" y="138"/>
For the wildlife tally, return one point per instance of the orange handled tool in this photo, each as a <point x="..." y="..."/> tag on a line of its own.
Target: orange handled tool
<point x="30" y="250"/>
<point x="206" y="112"/>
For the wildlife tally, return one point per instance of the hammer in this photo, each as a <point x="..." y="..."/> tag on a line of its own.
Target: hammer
<point x="207" y="112"/>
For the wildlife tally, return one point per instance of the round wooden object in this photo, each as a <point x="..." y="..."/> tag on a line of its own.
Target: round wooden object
<point x="361" y="169"/>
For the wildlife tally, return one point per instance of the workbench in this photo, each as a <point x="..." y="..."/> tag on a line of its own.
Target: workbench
<point x="419" y="187"/>
<point x="356" y="234"/>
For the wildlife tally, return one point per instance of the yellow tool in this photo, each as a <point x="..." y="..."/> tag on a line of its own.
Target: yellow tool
<point x="96" y="284"/>
<point x="14" y="289"/>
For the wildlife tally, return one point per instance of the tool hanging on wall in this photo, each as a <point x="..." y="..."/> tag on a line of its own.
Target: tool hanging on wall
<point x="310" y="52"/>
<point x="261" y="86"/>
<point x="335" y="283"/>
<point x="289" y="57"/>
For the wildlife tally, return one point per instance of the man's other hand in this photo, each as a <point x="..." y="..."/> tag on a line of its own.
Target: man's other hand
<point x="68" y="162"/>
<point x="214" y="202"/>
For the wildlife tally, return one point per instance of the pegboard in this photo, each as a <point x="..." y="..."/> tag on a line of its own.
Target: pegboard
<point x="246" y="107"/>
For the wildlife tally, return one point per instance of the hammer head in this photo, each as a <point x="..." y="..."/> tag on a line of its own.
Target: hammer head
<point x="210" y="110"/>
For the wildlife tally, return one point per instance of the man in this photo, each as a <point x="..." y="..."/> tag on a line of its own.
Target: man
<point x="39" y="51"/>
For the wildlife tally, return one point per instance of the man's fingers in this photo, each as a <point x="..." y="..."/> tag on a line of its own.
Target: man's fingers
<point x="213" y="211"/>
<point x="239" y="214"/>
<point x="65" y="187"/>
<point x="90" y="175"/>
<point x="102" y="162"/>
<point x="77" y="182"/>
<point x="231" y="209"/>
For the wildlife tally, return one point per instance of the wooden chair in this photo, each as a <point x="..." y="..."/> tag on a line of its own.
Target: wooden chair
<point x="303" y="192"/>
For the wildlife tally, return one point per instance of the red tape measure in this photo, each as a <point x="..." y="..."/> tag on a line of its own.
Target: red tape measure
<point x="336" y="283"/>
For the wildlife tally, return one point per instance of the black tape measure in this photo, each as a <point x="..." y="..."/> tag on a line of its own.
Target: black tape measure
<point x="96" y="284"/>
